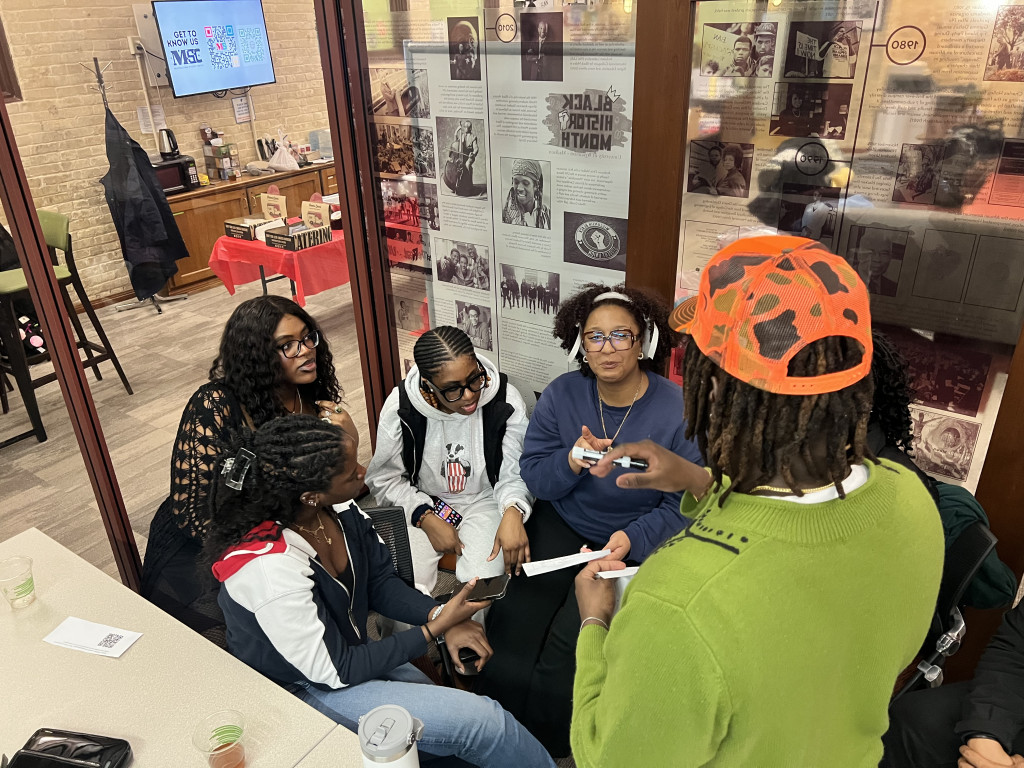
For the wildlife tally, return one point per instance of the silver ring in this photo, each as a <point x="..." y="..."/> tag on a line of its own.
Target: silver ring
<point x="326" y="419"/>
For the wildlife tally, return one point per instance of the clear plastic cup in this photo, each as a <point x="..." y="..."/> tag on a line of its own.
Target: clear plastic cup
<point x="219" y="739"/>
<point x="16" y="582"/>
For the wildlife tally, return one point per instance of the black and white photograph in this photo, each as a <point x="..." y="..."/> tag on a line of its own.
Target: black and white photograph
<point x="917" y="175"/>
<point x="943" y="375"/>
<point x="720" y="168"/>
<point x="943" y="266"/>
<point x="943" y="445"/>
<point x="809" y="211"/>
<point x="411" y="203"/>
<point x="526" y="186"/>
<point x="529" y="295"/>
<point x="738" y="49"/>
<point x="399" y="92"/>
<point x="823" y="49"/>
<point x="811" y="109"/>
<point x="408" y="248"/>
<point x="403" y="150"/>
<point x="411" y="314"/>
<point x="475" y="320"/>
<point x="595" y="241"/>
<point x="463" y="264"/>
<point x="1006" y="48"/>
<point x="465" y="167"/>
<point x="541" y="46"/>
<point x="464" y="47"/>
<point x="877" y="256"/>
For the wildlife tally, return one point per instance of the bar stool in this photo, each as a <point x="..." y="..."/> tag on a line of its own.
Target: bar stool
<point x="13" y="286"/>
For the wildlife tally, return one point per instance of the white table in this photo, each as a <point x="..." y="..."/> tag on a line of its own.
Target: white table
<point x="339" y="750"/>
<point x="153" y="695"/>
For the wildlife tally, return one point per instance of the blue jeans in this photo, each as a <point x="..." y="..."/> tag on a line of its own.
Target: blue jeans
<point x="473" y="728"/>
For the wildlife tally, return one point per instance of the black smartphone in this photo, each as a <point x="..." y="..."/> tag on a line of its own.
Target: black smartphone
<point x="488" y="589"/>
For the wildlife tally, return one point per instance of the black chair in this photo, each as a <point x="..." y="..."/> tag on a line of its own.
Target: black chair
<point x="963" y="560"/>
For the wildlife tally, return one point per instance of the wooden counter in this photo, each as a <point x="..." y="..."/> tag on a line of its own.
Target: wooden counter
<point x="201" y="213"/>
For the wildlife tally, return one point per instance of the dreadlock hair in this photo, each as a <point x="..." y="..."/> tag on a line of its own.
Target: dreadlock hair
<point x="439" y="346"/>
<point x="294" y="454"/>
<point x="893" y="393"/>
<point x="574" y="311"/>
<point x="249" y="364"/>
<point x="751" y="435"/>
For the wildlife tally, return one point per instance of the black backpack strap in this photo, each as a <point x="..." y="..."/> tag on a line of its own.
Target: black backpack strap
<point x="496" y="416"/>
<point x="414" y="434"/>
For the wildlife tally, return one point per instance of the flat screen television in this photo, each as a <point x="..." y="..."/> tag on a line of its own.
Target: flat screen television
<point x="214" y="45"/>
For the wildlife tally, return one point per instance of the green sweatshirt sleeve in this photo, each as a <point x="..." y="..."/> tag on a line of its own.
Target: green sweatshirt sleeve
<point x="647" y="692"/>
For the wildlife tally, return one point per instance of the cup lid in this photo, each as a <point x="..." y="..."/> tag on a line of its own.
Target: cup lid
<point x="388" y="732"/>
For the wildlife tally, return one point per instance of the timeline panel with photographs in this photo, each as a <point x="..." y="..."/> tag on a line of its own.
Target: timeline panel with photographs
<point x="501" y="139"/>
<point x="892" y="133"/>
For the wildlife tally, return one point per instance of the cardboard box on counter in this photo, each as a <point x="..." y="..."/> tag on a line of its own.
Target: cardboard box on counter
<point x="313" y="230"/>
<point x="250" y="227"/>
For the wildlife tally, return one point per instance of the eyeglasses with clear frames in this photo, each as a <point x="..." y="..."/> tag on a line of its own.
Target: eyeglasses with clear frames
<point x="293" y="348"/>
<point x="621" y="340"/>
<point x="454" y="393"/>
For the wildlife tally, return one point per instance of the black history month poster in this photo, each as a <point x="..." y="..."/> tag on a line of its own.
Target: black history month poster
<point x="890" y="132"/>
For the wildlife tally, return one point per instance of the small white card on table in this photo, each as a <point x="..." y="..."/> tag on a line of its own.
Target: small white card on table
<point x="82" y="635"/>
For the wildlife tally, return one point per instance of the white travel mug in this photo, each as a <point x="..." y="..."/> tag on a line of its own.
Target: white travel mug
<point x="388" y="734"/>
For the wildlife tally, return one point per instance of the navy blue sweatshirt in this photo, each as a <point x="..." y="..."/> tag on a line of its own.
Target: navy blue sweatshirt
<point x="288" y="618"/>
<point x="595" y="507"/>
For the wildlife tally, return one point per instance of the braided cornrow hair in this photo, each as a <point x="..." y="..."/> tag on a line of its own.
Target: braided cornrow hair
<point x="439" y="346"/>
<point x="294" y="454"/>
<point x="893" y="393"/>
<point x="751" y="435"/>
<point x="573" y="313"/>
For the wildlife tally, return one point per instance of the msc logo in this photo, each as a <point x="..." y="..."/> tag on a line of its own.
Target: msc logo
<point x="188" y="56"/>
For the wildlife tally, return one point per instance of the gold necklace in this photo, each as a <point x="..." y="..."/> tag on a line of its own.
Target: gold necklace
<point x="789" y="491"/>
<point x="315" y="534"/>
<point x="600" y="403"/>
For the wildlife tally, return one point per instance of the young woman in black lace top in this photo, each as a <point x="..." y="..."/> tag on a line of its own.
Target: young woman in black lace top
<point x="273" y="360"/>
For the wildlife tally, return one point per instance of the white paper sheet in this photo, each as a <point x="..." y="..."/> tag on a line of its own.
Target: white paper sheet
<point x="557" y="563"/>
<point x="625" y="573"/>
<point x="82" y="635"/>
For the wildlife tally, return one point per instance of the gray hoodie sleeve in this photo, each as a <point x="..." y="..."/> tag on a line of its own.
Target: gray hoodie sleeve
<point x="511" y="488"/>
<point x="386" y="473"/>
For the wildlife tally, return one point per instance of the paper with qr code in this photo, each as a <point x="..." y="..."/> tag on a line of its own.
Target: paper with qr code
<point x="82" y="635"/>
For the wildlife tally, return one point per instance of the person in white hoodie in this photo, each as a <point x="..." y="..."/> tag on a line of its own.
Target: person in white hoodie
<point x="453" y="430"/>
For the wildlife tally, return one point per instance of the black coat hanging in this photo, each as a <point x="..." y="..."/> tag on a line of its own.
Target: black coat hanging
<point x="150" y="240"/>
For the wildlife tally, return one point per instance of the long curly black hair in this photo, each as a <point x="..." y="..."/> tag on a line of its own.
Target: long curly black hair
<point x="249" y="364"/>
<point x="294" y="454"/>
<point x="574" y="311"/>
<point x="893" y="393"/>
<point x="750" y="435"/>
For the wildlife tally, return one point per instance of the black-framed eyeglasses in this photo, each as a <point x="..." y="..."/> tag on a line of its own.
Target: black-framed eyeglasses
<point x="455" y="392"/>
<point x="293" y="348"/>
<point x="621" y="340"/>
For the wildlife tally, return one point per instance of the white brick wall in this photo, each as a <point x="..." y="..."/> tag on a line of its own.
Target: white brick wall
<point x="59" y="125"/>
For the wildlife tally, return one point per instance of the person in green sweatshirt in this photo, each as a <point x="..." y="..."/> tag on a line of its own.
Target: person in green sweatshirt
<point x="771" y="631"/>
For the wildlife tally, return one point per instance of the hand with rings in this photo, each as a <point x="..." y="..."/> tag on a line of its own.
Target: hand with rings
<point x="335" y="413"/>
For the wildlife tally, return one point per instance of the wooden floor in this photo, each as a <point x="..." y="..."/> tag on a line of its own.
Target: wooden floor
<point x="165" y="357"/>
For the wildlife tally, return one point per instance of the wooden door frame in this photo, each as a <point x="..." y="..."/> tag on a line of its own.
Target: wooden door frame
<point x="60" y="340"/>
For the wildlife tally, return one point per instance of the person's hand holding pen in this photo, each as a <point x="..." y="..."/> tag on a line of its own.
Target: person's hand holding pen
<point x="666" y="471"/>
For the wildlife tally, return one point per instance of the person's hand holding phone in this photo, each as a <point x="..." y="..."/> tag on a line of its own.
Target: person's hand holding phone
<point x="443" y="536"/>
<point x="468" y="634"/>
<point x="588" y="440"/>
<point x="457" y="609"/>
<point x="511" y="540"/>
<point x="666" y="471"/>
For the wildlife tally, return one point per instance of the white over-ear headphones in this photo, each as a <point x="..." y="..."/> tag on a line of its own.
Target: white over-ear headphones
<point x="650" y="342"/>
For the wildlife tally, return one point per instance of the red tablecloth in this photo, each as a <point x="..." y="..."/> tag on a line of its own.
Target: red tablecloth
<point x="312" y="270"/>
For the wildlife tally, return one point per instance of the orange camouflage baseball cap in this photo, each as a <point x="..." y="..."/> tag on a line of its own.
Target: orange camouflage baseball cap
<point x="763" y="299"/>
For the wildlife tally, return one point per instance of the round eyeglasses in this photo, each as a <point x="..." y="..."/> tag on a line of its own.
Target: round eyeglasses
<point x="621" y="340"/>
<point x="293" y="348"/>
<point x="455" y="392"/>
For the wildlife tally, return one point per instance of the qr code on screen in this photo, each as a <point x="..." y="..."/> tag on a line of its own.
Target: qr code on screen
<point x="111" y="640"/>
<point x="251" y="46"/>
<point x="223" y="46"/>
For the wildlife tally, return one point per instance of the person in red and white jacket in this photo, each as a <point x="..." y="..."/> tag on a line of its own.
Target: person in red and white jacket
<point x="301" y="566"/>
